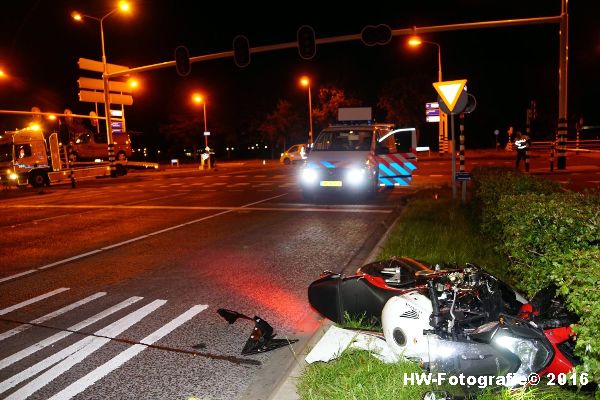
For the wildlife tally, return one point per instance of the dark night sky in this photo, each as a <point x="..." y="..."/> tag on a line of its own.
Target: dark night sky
<point x="505" y="68"/>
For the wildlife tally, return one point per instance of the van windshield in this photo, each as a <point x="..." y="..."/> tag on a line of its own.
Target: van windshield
<point x="344" y="140"/>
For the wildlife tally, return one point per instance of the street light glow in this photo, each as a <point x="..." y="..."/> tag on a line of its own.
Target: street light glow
<point x="124" y="6"/>
<point x="304" y="81"/>
<point x="76" y="16"/>
<point x="133" y="83"/>
<point x="197" y="98"/>
<point x="414" y="41"/>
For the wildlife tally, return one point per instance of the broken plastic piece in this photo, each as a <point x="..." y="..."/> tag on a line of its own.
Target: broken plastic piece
<point x="261" y="339"/>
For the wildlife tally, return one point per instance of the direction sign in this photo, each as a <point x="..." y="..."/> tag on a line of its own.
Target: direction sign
<point x="98" y="97"/>
<point x="463" y="176"/>
<point x="98" y="84"/>
<point x="450" y="91"/>
<point x="97" y="66"/>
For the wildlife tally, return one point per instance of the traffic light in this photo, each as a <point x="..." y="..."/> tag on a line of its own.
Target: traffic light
<point x="376" y="35"/>
<point x="241" y="51"/>
<point x="182" y="61"/>
<point x="307" y="46"/>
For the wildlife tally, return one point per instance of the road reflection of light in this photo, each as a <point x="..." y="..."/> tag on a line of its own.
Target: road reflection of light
<point x="269" y="299"/>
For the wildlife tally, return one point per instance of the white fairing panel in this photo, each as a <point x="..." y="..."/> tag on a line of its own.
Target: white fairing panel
<point x="403" y="319"/>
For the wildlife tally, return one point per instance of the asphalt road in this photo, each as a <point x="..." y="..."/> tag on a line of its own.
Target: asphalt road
<point x="88" y="274"/>
<point x="149" y="258"/>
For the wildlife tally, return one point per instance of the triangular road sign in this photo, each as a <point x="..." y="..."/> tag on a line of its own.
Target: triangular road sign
<point x="450" y="91"/>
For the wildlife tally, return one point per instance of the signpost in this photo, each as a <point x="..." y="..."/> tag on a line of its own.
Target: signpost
<point x="450" y="93"/>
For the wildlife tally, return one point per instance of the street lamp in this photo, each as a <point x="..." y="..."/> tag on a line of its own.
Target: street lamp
<point x="416" y="41"/>
<point x="304" y="81"/>
<point x="197" y="98"/>
<point x="124" y="7"/>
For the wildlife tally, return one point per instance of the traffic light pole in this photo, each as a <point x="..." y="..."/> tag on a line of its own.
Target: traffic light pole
<point x="562" y="20"/>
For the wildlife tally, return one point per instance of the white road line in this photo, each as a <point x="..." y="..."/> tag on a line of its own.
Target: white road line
<point x="227" y="210"/>
<point x="89" y="253"/>
<point x="72" y="355"/>
<point x="51" y="315"/>
<point x="63" y="334"/>
<point x="94" y="376"/>
<point x="33" y="300"/>
<point x="240" y="176"/>
<point x="8" y="278"/>
<point x="259" y="176"/>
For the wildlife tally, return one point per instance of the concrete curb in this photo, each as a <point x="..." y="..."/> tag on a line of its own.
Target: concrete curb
<point x="287" y="389"/>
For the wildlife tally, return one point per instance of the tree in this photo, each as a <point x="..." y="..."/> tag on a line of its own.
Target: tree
<point x="329" y="100"/>
<point x="403" y="99"/>
<point x="185" y="130"/>
<point x="281" y="125"/>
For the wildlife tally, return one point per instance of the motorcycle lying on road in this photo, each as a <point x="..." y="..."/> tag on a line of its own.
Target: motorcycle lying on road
<point x="454" y="321"/>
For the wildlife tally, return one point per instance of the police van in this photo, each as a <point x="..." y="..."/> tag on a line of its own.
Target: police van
<point x="358" y="156"/>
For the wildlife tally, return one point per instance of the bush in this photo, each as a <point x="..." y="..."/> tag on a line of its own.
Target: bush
<point x="491" y="183"/>
<point x="548" y="238"/>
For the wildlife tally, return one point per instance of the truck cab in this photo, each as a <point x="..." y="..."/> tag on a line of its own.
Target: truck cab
<point x="91" y="145"/>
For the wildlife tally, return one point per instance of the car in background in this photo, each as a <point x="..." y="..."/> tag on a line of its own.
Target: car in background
<point x="296" y="153"/>
<point x="91" y="145"/>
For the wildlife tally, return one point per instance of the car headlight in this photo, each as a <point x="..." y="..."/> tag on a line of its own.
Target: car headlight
<point x="532" y="354"/>
<point x="356" y="176"/>
<point x="309" y="175"/>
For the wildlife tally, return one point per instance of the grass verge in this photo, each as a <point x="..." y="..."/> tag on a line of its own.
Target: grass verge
<point x="433" y="229"/>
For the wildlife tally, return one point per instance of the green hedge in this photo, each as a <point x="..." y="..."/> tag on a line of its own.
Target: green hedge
<point x="490" y="183"/>
<point x="548" y="237"/>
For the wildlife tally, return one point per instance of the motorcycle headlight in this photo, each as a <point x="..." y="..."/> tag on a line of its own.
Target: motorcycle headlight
<point x="310" y="175"/>
<point x="532" y="354"/>
<point x="355" y="175"/>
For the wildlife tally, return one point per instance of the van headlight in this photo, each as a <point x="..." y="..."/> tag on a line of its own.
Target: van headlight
<point x="310" y="175"/>
<point x="356" y="176"/>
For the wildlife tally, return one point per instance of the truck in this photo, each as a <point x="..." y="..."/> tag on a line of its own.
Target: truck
<point x="27" y="156"/>
<point x="91" y="145"/>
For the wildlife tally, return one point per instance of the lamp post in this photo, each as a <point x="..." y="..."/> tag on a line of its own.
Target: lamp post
<point x="123" y="6"/>
<point x="197" y="98"/>
<point x="415" y="41"/>
<point x="304" y="81"/>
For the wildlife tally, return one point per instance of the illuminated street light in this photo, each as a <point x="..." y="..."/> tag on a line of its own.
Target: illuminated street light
<point x="124" y="7"/>
<point x="304" y="81"/>
<point x="416" y="41"/>
<point x="197" y="98"/>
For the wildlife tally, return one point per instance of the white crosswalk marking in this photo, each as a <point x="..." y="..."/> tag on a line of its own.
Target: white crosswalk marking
<point x="63" y="334"/>
<point x="72" y="355"/>
<point x="83" y="383"/>
<point x="31" y="301"/>
<point x="53" y="314"/>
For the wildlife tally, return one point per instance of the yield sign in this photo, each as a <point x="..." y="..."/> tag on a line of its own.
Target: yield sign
<point x="450" y="91"/>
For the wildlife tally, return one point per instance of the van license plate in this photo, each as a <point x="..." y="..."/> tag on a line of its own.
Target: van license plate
<point x="331" y="183"/>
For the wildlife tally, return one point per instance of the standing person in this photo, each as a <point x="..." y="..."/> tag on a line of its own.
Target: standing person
<point x="522" y="142"/>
